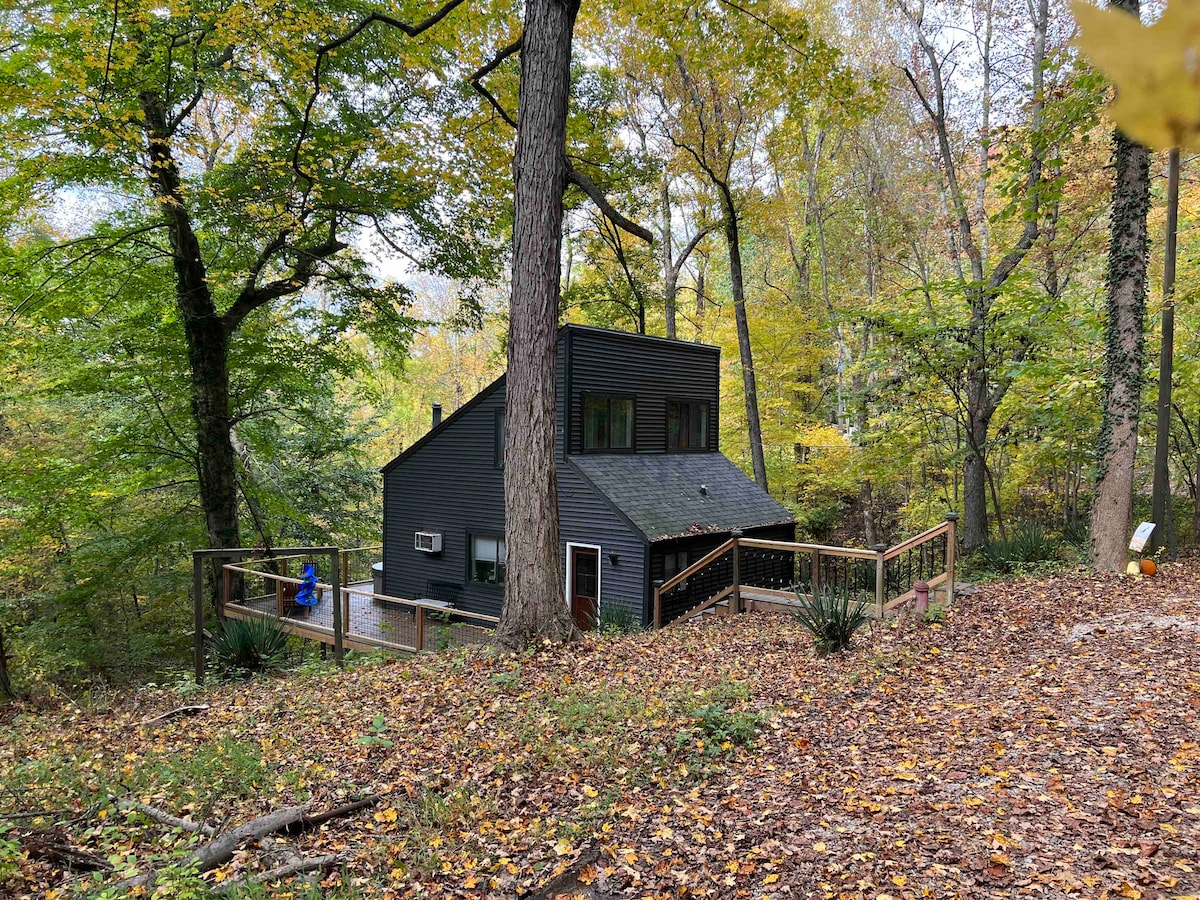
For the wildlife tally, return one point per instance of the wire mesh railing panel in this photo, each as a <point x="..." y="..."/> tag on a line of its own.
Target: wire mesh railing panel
<point x="921" y="562"/>
<point x="845" y="574"/>
<point x="358" y="564"/>
<point x="773" y="569"/>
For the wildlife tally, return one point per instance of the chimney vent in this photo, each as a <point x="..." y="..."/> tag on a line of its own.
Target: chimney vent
<point x="437" y="414"/>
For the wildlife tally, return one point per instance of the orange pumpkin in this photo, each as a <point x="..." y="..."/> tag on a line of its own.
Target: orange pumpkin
<point x="1148" y="567"/>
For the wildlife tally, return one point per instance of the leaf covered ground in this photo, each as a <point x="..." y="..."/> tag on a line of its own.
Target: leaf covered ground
<point x="1041" y="741"/>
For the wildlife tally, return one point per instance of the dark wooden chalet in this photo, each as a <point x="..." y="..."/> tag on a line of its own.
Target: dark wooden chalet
<point x="643" y="490"/>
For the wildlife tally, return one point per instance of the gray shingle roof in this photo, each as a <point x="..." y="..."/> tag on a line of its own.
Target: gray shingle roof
<point x="669" y="495"/>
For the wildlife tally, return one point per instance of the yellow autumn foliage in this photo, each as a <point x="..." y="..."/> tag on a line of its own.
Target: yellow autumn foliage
<point x="1156" y="70"/>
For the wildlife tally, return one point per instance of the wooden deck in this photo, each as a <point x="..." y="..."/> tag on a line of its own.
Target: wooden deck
<point x="372" y="624"/>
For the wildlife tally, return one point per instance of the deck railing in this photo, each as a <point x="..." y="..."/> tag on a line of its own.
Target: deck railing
<point x="349" y="613"/>
<point x="777" y="572"/>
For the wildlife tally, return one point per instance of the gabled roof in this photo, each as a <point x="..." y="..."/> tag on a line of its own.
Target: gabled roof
<point x="668" y="495"/>
<point x="434" y="432"/>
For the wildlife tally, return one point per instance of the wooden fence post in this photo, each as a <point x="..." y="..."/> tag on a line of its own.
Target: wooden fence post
<point x="658" y="583"/>
<point x="420" y="642"/>
<point x="198" y="600"/>
<point x="880" y="578"/>
<point x="816" y="571"/>
<point x="951" y="555"/>
<point x="735" y="599"/>
<point x="336" y="584"/>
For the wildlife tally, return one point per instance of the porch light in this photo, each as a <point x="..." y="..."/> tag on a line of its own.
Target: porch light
<point x="613" y="558"/>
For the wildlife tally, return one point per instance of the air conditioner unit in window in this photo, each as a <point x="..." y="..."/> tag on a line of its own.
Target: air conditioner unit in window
<point x="428" y="542"/>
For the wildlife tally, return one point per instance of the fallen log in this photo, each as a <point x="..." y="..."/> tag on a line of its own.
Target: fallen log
<point x="173" y="714"/>
<point x="162" y="817"/>
<point x="218" y="851"/>
<point x="286" y="871"/>
<point x="54" y="847"/>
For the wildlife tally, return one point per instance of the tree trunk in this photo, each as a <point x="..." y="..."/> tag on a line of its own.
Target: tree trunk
<point x="533" y="590"/>
<point x="205" y="332"/>
<point x="1164" y="531"/>
<point x="1112" y="509"/>
<point x="749" y="382"/>
<point x="975" y="520"/>
<point x="667" y="253"/>
<point x="6" y="688"/>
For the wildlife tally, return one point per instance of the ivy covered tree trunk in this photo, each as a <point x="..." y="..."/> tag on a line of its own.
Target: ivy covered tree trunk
<point x="1128" y="251"/>
<point x="6" y="688"/>
<point x="534" y="604"/>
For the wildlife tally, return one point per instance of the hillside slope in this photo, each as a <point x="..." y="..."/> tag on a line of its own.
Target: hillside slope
<point x="1041" y="741"/>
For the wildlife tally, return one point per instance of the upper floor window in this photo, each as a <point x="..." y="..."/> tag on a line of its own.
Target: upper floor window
<point x="687" y="425"/>
<point x="607" y="423"/>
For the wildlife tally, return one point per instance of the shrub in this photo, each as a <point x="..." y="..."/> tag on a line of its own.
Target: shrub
<point x="1029" y="544"/>
<point x="246" y="647"/>
<point x="617" y="620"/>
<point x="832" y="617"/>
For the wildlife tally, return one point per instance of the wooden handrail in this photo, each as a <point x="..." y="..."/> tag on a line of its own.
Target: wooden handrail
<point x="698" y="565"/>
<point x="921" y="538"/>
<point x="699" y="608"/>
<point x="432" y="607"/>
<point x="851" y="552"/>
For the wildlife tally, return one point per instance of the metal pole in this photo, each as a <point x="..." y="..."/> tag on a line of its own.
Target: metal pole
<point x="1161" y="496"/>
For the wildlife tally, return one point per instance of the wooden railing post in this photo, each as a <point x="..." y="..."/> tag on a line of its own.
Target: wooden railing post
<point x="283" y="570"/>
<point x="951" y="555"/>
<point x="658" y="583"/>
<point x="420" y="642"/>
<point x="816" y="570"/>
<point x="735" y="599"/>
<point x="198" y="600"/>
<point x="335" y="582"/>
<point x="880" y="578"/>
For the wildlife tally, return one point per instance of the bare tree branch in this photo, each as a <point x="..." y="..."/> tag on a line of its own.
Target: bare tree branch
<point x="476" y="79"/>
<point x="589" y="187"/>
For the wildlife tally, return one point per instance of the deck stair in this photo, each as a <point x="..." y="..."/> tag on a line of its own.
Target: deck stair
<point x="753" y="574"/>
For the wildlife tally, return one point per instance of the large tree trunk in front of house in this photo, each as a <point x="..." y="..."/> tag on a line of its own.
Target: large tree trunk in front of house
<point x="749" y="382"/>
<point x="1112" y="507"/>
<point x="206" y="335"/>
<point x="534" y="608"/>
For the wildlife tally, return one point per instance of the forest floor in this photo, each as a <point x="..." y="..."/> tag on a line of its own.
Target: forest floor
<point x="1041" y="740"/>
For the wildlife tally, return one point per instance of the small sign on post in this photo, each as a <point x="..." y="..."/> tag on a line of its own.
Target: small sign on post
<point x="1141" y="536"/>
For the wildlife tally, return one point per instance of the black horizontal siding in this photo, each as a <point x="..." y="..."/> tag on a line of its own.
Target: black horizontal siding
<point x="585" y="517"/>
<point x="450" y="485"/>
<point x="653" y="371"/>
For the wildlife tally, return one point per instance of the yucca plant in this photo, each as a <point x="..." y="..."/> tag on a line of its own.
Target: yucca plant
<point x="831" y="616"/>
<point x="617" y="620"/>
<point x="1029" y="544"/>
<point x="246" y="647"/>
